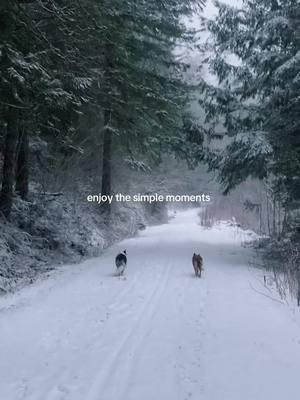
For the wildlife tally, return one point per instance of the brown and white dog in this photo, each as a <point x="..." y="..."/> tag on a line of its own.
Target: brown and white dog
<point x="197" y="261"/>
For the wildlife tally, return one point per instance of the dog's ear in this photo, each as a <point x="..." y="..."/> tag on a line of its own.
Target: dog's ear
<point x="124" y="251"/>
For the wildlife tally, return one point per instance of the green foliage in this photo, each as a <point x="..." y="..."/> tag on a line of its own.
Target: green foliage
<point x="78" y="70"/>
<point x="257" y="61"/>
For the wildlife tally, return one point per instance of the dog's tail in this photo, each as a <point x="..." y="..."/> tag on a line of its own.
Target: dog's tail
<point x="121" y="266"/>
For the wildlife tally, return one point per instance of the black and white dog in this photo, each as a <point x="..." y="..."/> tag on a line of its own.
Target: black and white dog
<point x="121" y="262"/>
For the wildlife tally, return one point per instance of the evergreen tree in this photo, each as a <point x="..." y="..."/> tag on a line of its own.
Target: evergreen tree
<point x="35" y="86"/>
<point x="144" y="97"/>
<point x="110" y="62"/>
<point x="257" y="98"/>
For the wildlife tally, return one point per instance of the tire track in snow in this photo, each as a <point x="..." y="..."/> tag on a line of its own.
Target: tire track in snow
<point x="61" y="390"/>
<point x="122" y="356"/>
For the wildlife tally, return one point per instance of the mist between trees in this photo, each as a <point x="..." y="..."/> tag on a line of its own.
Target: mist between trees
<point x="115" y="97"/>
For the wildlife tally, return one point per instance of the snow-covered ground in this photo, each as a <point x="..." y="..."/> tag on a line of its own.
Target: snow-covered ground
<point x="159" y="334"/>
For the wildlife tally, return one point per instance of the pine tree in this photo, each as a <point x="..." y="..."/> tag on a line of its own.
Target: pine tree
<point x="111" y="62"/>
<point x="38" y="92"/>
<point x="257" y="98"/>
<point x="256" y="57"/>
<point x="143" y="97"/>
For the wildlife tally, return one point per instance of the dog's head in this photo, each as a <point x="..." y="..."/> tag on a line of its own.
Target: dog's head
<point x="124" y="252"/>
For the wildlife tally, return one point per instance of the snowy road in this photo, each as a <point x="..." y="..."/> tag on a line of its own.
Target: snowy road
<point x="160" y="334"/>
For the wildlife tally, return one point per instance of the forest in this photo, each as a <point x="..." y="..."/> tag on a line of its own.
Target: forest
<point x="149" y="199"/>
<point x="148" y="96"/>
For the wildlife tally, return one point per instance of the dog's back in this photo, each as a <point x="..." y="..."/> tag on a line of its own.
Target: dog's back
<point x="197" y="261"/>
<point x="121" y="262"/>
<point x="121" y="259"/>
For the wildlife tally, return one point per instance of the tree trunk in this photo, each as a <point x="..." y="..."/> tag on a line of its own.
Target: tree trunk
<point x="9" y="164"/>
<point x="279" y="219"/>
<point x="22" y="172"/>
<point x="274" y="217"/>
<point x="106" y="159"/>
<point x="107" y="138"/>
